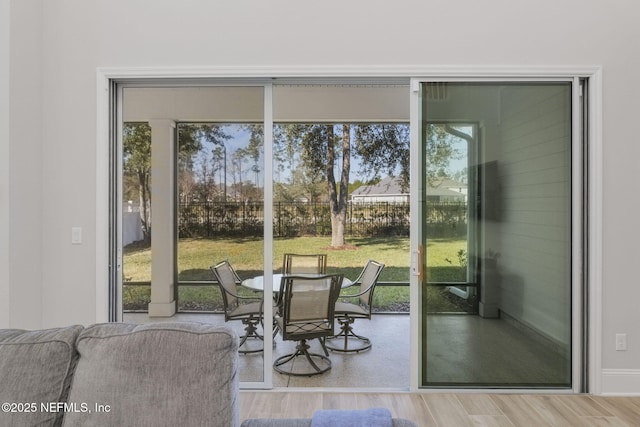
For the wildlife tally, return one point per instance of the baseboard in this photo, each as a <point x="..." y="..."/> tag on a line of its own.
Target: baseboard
<point x="620" y="382"/>
<point x="535" y="335"/>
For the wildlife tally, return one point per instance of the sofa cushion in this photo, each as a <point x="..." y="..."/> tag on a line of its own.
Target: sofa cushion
<point x="36" y="369"/>
<point x="161" y="374"/>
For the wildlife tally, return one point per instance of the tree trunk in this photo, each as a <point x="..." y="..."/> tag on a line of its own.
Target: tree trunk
<point x="338" y="197"/>
<point x="337" y="230"/>
<point x="145" y="215"/>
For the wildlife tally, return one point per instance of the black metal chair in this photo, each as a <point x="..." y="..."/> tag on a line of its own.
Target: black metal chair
<point x="305" y="264"/>
<point x="236" y="307"/>
<point x="308" y="305"/>
<point x="355" y="306"/>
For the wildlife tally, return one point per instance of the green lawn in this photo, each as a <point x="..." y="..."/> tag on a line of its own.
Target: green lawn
<point x="195" y="256"/>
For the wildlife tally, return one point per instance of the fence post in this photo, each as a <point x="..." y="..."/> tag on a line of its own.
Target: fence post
<point x="349" y="218"/>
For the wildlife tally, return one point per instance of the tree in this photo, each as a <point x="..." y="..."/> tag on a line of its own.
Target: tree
<point x="338" y="194"/>
<point x="137" y="161"/>
<point x="440" y="150"/>
<point x="137" y="168"/>
<point x="200" y="156"/>
<point x="236" y="176"/>
<point x="317" y="145"/>
<point x="219" y="164"/>
<point x="382" y="147"/>
<point x="253" y="151"/>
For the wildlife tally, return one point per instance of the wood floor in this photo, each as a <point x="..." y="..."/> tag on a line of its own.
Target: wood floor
<point x="455" y="410"/>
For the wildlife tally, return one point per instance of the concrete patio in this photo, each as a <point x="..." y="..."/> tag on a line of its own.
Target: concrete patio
<point x="385" y="365"/>
<point x="462" y="349"/>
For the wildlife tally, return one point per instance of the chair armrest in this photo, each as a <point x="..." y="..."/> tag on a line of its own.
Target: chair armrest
<point x="245" y="297"/>
<point x="354" y="295"/>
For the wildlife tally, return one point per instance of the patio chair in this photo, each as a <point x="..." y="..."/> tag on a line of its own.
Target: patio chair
<point x="355" y="306"/>
<point x="308" y="305"/>
<point x="305" y="264"/>
<point x="236" y="307"/>
<point x="298" y="264"/>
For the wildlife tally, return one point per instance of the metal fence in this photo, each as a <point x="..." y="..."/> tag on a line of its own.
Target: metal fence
<point x="292" y="219"/>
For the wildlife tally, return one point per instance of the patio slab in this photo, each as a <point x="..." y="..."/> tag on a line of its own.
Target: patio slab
<point x="385" y="365"/>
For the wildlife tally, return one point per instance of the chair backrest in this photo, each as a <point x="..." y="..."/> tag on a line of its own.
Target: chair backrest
<point x="305" y="264"/>
<point x="368" y="279"/>
<point x="228" y="280"/>
<point x="309" y="306"/>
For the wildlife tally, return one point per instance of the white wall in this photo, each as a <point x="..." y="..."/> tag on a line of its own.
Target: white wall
<point x="4" y="163"/>
<point x="25" y="164"/>
<point x="77" y="36"/>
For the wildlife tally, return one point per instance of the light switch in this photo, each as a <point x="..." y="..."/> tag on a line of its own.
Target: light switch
<point x="621" y="342"/>
<point x="76" y="235"/>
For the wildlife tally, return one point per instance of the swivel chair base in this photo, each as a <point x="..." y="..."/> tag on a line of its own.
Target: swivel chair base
<point x="317" y="362"/>
<point x="351" y="342"/>
<point x="250" y="332"/>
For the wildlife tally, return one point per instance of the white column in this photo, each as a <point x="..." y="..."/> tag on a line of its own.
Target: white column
<point x="163" y="302"/>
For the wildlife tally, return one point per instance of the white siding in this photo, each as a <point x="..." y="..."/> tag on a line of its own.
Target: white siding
<point x="535" y="193"/>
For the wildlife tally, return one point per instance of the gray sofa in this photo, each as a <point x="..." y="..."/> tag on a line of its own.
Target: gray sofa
<point x="161" y="374"/>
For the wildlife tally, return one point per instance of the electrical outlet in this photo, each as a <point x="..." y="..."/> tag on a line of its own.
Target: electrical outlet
<point x="621" y="342"/>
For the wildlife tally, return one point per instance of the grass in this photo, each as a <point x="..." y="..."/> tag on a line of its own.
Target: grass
<point x="196" y="255"/>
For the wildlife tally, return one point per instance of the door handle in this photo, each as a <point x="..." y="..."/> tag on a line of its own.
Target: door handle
<point x="416" y="262"/>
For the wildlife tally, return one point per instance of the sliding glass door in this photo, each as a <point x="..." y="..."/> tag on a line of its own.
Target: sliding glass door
<point x="496" y="289"/>
<point x="193" y="196"/>
<point x="490" y="209"/>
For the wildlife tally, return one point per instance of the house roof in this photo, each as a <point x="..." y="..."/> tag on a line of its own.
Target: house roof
<point x="393" y="186"/>
<point x="387" y="186"/>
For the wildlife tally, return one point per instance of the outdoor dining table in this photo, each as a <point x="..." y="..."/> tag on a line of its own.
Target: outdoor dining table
<point x="257" y="283"/>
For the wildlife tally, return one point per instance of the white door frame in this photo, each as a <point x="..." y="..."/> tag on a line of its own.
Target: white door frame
<point x="107" y="76"/>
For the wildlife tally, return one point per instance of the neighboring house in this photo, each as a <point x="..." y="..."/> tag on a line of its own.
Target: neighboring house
<point x="387" y="190"/>
<point x="447" y="190"/>
<point x="390" y="190"/>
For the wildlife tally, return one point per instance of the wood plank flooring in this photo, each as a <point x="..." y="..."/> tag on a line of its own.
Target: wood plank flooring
<point x="453" y="410"/>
